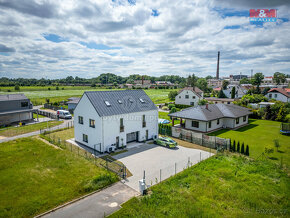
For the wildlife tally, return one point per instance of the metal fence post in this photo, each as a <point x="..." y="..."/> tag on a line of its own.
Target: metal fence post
<point x="175" y="168"/>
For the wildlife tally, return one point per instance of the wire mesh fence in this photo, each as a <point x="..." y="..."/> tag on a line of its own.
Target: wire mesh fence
<point x="48" y="129"/>
<point x="106" y="161"/>
<point x="157" y="176"/>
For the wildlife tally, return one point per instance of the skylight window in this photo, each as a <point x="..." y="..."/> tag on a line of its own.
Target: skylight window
<point x="107" y="103"/>
<point x="141" y="100"/>
<point x="120" y="102"/>
<point x="131" y="100"/>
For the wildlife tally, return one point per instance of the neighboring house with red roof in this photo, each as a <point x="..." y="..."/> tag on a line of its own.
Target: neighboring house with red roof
<point x="279" y="94"/>
<point x="189" y="96"/>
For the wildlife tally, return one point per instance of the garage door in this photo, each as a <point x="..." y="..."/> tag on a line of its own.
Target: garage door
<point x="131" y="137"/>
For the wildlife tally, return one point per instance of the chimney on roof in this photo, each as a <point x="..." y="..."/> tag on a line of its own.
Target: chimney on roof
<point x="206" y="106"/>
<point x="218" y="66"/>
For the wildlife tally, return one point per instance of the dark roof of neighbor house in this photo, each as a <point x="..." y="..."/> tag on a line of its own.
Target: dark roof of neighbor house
<point x="214" y="111"/>
<point x="13" y="97"/>
<point x="282" y="91"/>
<point x="73" y="98"/>
<point x="108" y="103"/>
<point x="219" y="99"/>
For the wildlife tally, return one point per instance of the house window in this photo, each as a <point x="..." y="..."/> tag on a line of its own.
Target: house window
<point x="218" y="121"/>
<point x="193" y="97"/>
<point x="121" y="125"/>
<point x="85" y="138"/>
<point x="24" y="104"/>
<point x="244" y="118"/>
<point x="192" y="103"/>
<point x="209" y="124"/>
<point x="143" y="121"/>
<point x="229" y="102"/>
<point x="186" y="96"/>
<point x="195" y="124"/>
<point x="270" y="95"/>
<point x="92" y="123"/>
<point x="237" y="120"/>
<point x="179" y="96"/>
<point x="81" y="120"/>
<point x="275" y="95"/>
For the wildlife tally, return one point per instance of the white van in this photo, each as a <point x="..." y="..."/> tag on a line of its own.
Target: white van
<point x="63" y="114"/>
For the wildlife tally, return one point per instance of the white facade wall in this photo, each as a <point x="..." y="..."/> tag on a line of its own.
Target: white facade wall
<point x="108" y="128"/>
<point x="223" y="122"/>
<point x="87" y="111"/>
<point x="132" y="123"/>
<point x="192" y="98"/>
<point x="277" y="96"/>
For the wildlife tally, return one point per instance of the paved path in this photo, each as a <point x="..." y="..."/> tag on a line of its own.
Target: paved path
<point x="99" y="204"/>
<point x="63" y="125"/>
<point x="152" y="158"/>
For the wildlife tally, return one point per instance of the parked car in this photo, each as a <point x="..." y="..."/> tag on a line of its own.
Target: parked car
<point x="163" y="121"/>
<point x="166" y="142"/>
<point x="63" y="114"/>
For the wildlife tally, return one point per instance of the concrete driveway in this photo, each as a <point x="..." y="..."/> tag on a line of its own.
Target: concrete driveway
<point x="153" y="158"/>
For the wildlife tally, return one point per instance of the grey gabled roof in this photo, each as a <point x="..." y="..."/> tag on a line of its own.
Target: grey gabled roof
<point x="13" y="97"/>
<point x="120" y="102"/>
<point x="214" y="111"/>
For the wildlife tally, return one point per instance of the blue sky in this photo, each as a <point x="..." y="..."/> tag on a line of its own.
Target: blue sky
<point x="86" y="38"/>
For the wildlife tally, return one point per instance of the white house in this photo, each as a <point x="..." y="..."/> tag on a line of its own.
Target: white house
<point x="239" y="93"/>
<point x="189" y="96"/>
<point x="279" y="94"/>
<point x="106" y="119"/>
<point x="211" y="117"/>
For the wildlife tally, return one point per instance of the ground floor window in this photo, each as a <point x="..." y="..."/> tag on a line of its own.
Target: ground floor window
<point x="192" y="103"/>
<point x="237" y="120"/>
<point x="218" y="121"/>
<point x="244" y="118"/>
<point x="85" y="138"/>
<point x="195" y="124"/>
<point x="209" y="124"/>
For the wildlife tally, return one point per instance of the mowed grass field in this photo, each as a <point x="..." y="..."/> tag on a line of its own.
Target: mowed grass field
<point x="38" y="95"/>
<point x="36" y="177"/>
<point x="13" y="131"/>
<point x="222" y="186"/>
<point x="258" y="135"/>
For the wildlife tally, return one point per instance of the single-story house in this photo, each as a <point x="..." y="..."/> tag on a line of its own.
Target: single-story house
<point x="279" y="94"/>
<point x="220" y="100"/>
<point x="15" y="108"/>
<point x="104" y="120"/>
<point x="211" y="117"/>
<point x="189" y="96"/>
<point x="72" y="103"/>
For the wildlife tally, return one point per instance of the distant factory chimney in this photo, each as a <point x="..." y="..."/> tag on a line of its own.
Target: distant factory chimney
<point x="218" y="66"/>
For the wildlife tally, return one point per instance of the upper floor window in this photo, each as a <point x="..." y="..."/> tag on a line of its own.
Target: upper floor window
<point x="237" y="120"/>
<point x="270" y="95"/>
<point x="81" y="120"/>
<point x="186" y="96"/>
<point x="121" y="125"/>
<point x="275" y="95"/>
<point x="92" y="123"/>
<point x="193" y="97"/>
<point x="24" y="104"/>
<point x="143" y="121"/>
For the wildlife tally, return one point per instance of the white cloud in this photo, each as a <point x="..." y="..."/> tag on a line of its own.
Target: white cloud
<point x="183" y="39"/>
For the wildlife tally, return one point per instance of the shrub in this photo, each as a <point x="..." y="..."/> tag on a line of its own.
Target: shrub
<point x="247" y="151"/>
<point x="62" y="88"/>
<point x="269" y="150"/>
<point x="164" y="108"/>
<point x="171" y="106"/>
<point x="8" y="90"/>
<point x="238" y="147"/>
<point x="48" y="88"/>
<point x="57" y="88"/>
<point x="173" y="109"/>
<point x="234" y="146"/>
<point x="47" y="100"/>
<point x="16" y="88"/>
<point x="172" y="95"/>
<point x="243" y="149"/>
<point x="277" y="143"/>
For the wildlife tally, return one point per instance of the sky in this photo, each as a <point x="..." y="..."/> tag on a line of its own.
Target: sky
<point x="60" y="38"/>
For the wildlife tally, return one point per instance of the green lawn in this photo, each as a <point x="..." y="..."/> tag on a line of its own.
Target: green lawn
<point x="13" y="131"/>
<point x="221" y="186"/>
<point x="39" y="116"/>
<point x="38" y="94"/>
<point x="258" y="135"/>
<point x="63" y="134"/>
<point x="36" y="177"/>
